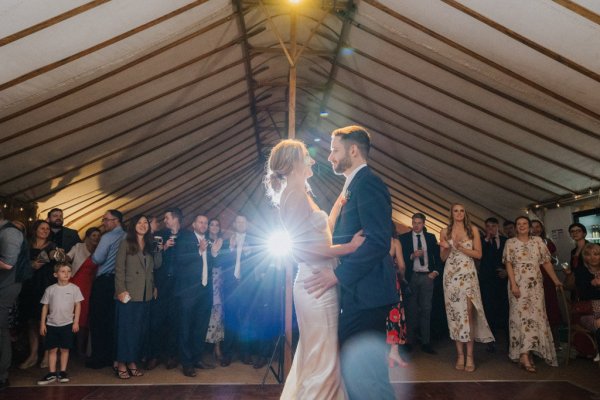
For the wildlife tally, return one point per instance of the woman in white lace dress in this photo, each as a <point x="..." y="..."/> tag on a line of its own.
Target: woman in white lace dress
<point x="460" y="245"/>
<point x="528" y="323"/>
<point x="315" y="372"/>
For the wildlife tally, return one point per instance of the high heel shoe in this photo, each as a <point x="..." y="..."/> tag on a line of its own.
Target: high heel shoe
<point x="460" y="362"/>
<point x="470" y="366"/>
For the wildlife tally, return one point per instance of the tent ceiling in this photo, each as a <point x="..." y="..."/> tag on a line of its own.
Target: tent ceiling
<point x="139" y="105"/>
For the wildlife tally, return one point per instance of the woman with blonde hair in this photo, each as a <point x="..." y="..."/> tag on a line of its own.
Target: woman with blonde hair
<point x="459" y="246"/>
<point x="315" y="372"/>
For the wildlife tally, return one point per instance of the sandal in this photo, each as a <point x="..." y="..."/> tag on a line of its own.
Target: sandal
<point x="135" y="372"/>
<point x="470" y="366"/>
<point x="460" y="362"/>
<point x="123" y="374"/>
<point x="526" y="365"/>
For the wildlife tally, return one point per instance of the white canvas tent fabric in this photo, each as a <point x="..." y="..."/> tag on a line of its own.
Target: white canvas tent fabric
<point x="141" y="104"/>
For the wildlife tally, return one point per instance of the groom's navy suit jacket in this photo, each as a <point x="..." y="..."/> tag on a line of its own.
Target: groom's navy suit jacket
<point x="367" y="276"/>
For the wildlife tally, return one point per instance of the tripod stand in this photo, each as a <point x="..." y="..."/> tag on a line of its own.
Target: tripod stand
<point x="282" y="352"/>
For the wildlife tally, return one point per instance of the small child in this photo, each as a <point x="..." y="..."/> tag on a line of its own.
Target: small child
<point x="62" y="305"/>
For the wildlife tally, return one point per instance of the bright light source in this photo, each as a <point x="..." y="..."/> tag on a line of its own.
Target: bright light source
<point x="317" y="139"/>
<point x="279" y="243"/>
<point x="294" y="1"/>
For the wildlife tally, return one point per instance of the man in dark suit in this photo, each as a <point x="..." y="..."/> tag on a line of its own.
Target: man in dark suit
<point x="493" y="279"/>
<point x="238" y="284"/>
<point x="421" y="255"/>
<point x="366" y="277"/>
<point x="164" y="311"/>
<point x="193" y="288"/>
<point x="64" y="237"/>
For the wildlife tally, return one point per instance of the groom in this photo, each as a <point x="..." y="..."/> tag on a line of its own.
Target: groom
<point x="366" y="277"/>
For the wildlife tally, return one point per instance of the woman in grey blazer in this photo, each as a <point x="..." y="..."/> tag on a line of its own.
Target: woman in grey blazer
<point x="134" y="286"/>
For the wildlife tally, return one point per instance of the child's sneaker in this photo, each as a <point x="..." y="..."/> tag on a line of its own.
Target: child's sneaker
<point x="62" y="377"/>
<point x="49" y="378"/>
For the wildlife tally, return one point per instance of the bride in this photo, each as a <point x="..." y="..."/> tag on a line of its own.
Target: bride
<point x="315" y="372"/>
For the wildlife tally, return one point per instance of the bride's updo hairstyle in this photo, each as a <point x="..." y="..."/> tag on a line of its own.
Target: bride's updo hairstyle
<point x="284" y="156"/>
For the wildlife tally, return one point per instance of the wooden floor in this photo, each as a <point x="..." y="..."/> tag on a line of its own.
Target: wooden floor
<point x="526" y="390"/>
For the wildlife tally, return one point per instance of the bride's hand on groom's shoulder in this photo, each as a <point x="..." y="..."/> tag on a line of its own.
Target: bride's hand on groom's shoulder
<point x="358" y="239"/>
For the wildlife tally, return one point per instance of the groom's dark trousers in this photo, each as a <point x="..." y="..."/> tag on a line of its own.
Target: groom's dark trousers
<point x="367" y="284"/>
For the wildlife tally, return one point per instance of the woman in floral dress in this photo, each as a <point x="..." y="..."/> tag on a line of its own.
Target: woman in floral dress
<point x="395" y="324"/>
<point x="459" y="246"/>
<point x="529" y="330"/>
<point x="216" y="329"/>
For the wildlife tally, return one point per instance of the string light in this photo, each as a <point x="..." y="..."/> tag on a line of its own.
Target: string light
<point x="557" y="205"/>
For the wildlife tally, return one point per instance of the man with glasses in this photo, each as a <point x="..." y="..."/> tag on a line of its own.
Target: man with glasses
<point x="102" y="303"/>
<point x="578" y="232"/>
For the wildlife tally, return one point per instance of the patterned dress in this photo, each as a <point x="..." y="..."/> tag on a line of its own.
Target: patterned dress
<point x="461" y="286"/>
<point x="216" y="329"/>
<point x="395" y="324"/>
<point x="528" y="324"/>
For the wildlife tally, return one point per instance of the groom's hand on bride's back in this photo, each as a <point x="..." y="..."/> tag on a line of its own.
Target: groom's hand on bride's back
<point x="320" y="282"/>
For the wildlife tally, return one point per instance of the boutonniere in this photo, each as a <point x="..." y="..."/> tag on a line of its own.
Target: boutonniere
<point x="346" y="197"/>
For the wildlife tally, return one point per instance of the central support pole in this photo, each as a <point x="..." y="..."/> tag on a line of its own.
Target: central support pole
<point x="292" y="87"/>
<point x="291" y="135"/>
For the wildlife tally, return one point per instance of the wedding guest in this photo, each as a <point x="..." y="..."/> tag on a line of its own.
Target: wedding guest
<point x="154" y="224"/>
<point x="59" y="321"/>
<point x="216" y="330"/>
<point x="493" y="279"/>
<point x="64" y="238"/>
<point x="421" y="255"/>
<point x="460" y="245"/>
<point x="550" y="295"/>
<point x="578" y="232"/>
<point x="528" y="324"/>
<point x="102" y="304"/>
<point x="396" y="320"/>
<point x="508" y="227"/>
<point x="12" y="259"/>
<point x="84" y="272"/>
<point x="40" y="251"/>
<point x="238" y="275"/>
<point x="586" y="280"/>
<point x="81" y="251"/>
<point x="193" y="289"/>
<point x="137" y="258"/>
<point x="164" y="311"/>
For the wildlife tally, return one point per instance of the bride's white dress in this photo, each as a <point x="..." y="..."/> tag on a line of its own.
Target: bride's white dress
<point x="315" y="372"/>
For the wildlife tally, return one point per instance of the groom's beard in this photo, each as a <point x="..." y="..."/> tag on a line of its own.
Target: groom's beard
<point x="343" y="165"/>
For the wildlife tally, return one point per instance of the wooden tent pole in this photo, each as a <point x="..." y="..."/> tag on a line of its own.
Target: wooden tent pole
<point x="287" y="364"/>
